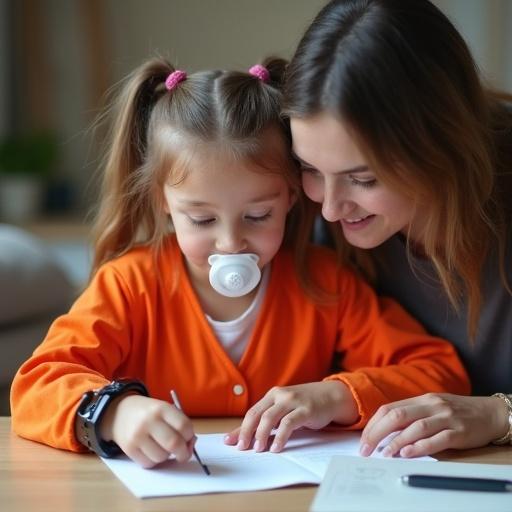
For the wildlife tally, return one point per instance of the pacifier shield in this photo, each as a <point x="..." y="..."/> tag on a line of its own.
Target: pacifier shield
<point x="234" y="275"/>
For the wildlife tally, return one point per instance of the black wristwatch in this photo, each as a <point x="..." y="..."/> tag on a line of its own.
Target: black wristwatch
<point x="92" y="408"/>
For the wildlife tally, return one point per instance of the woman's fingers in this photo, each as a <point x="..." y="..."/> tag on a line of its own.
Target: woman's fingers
<point x="388" y="419"/>
<point x="417" y="434"/>
<point x="428" y="424"/>
<point x="385" y="409"/>
<point x="436" y="443"/>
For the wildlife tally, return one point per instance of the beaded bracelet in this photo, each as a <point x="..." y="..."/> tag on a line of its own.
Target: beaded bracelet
<point x="507" y="438"/>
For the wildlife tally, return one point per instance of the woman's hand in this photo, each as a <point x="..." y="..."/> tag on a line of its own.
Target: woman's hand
<point x="148" y="430"/>
<point x="286" y="409"/>
<point x="434" y="422"/>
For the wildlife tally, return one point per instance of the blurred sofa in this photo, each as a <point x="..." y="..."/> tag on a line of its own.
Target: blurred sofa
<point x="34" y="290"/>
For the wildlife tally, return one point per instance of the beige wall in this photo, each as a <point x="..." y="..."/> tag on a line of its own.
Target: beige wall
<point x="487" y="28"/>
<point x="200" y="34"/>
<point x="195" y="34"/>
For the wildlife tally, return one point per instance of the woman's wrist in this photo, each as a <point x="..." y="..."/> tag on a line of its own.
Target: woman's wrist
<point x="504" y="403"/>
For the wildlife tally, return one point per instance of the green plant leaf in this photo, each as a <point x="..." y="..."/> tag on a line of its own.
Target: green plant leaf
<point x="29" y="154"/>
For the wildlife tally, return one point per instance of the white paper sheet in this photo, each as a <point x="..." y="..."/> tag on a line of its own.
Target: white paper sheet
<point x="304" y="461"/>
<point x="356" y="484"/>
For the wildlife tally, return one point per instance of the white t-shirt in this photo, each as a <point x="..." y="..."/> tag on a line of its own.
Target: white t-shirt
<point x="234" y="335"/>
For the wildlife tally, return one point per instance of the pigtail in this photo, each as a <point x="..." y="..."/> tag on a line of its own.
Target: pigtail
<point x="127" y="211"/>
<point x="276" y="68"/>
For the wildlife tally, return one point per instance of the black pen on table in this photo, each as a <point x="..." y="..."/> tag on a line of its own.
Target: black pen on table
<point x="176" y="401"/>
<point x="457" y="483"/>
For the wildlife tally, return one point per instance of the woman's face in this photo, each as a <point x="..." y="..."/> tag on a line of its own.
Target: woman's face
<point x="336" y="174"/>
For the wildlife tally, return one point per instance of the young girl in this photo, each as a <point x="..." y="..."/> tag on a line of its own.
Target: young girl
<point x="231" y="310"/>
<point x="411" y="157"/>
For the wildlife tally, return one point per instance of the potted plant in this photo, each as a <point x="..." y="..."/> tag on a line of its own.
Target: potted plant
<point x="26" y="163"/>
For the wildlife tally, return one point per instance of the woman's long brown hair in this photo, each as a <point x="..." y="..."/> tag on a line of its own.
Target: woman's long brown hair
<point x="402" y="78"/>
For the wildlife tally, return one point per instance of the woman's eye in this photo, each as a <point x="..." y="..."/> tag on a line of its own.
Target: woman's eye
<point x="363" y="183"/>
<point x="258" y="218"/>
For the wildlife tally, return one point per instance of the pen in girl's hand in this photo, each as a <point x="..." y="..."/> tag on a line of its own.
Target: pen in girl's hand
<point x="455" y="483"/>
<point x="176" y="401"/>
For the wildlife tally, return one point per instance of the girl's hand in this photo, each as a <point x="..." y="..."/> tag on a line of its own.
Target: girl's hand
<point x="434" y="422"/>
<point x="148" y="430"/>
<point x="286" y="409"/>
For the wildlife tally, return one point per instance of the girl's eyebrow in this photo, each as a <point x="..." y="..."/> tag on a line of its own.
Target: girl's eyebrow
<point x="350" y="170"/>
<point x="259" y="199"/>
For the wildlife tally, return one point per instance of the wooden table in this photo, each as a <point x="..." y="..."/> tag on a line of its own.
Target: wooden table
<point x="34" y="477"/>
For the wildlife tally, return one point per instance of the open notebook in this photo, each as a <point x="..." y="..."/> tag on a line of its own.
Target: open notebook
<point x="304" y="461"/>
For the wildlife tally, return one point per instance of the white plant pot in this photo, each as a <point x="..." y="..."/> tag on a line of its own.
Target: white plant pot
<point x="21" y="197"/>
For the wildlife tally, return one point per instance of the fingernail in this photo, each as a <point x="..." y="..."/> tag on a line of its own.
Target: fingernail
<point x="405" y="452"/>
<point x="387" y="452"/>
<point x="276" y="447"/>
<point x="227" y="439"/>
<point x="241" y="444"/>
<point x="258" y="446"/>
<point x="365" y="450"/>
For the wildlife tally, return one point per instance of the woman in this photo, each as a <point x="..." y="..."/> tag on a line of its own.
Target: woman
<point x="411" y="157"/>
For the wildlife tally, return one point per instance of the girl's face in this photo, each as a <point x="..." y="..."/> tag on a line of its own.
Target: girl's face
<point x="227" y="206"/>
<point x="335" y="173"/>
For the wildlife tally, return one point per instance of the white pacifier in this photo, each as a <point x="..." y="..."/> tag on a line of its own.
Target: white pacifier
<point x="234" y="275"/>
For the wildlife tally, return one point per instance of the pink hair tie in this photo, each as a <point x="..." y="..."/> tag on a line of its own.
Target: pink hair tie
<point x="174" y="79"/>
<point x="260" y="72"/>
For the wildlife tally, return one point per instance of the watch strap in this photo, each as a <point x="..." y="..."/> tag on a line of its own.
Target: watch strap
<point x="91" y="410"/>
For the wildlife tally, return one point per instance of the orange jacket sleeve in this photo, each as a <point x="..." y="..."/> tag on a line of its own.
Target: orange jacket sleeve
<point x="387" y="355"/>
<point x="81" y="352"/>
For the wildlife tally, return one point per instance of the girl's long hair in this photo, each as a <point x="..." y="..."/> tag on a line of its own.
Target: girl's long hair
<point x="402" y="78"/>
<point x="155" y="133"/>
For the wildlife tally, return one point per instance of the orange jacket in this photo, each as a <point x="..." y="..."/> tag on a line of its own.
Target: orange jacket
<point x="131" y="323"/>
